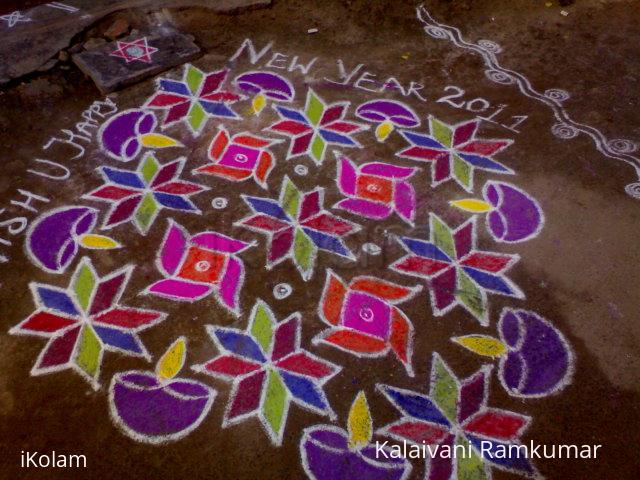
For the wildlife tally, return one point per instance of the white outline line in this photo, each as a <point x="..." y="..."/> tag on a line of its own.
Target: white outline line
<point x="191" y="98"/>
<point x="273" y="100"/>
<point x="82" y="322"/>
<point x="316" y="128"/>
<point x="486" y="371"/>
<point x="453" y="151"/>
<point x="35" y="223"/>
<point x="211" y="287"/>
<point x="319" y="339"/>
<point x="395" y="182"/>
<point x="143" y="192"/>
<point x="407" y="466"/>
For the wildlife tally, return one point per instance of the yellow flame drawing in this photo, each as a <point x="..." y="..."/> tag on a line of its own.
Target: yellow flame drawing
<point x="172" y="361"/>
<point x="359" y="423"/>
<point x="472" y="205"/>
<point x="384" y="130"/>
<point x="482" y="345"/>
<point x="258" y="103"/>
<point x="98" y="242"/>
<point x="157" y="140"/>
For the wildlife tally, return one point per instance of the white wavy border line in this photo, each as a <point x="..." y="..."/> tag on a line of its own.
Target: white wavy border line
<point x="566" y="128"/>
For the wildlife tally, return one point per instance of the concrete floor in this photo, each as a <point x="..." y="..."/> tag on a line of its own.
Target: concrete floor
<point x="581" y="272"/>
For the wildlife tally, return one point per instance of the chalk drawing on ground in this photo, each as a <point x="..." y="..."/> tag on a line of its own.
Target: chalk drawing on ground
<point x="455" y="413"/>
<point x="268" y="370"/>
<point x="535" y="358"/>
<point x="199" y="265"/>
<point x="84" y="320"/>
<point x="364" y="320"/>
<point x="566" y="128"/>
<point x="458" y="273"/>
<point x="329" y="452"/>
<point x="158" y="407"/>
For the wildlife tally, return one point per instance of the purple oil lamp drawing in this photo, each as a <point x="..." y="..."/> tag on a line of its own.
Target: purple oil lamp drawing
<point x="265" y="86"/>
<point x="512" y="214"/>
<point x="123" y="136"/>
<point x="388" y="114"/>
<point x="157" y="407"/>
<point x="54" y="239"/>
<point x="329" y="452"/>
<point x="535" y="358"/>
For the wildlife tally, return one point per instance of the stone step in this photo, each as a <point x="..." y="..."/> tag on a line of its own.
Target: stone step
<point x="133" y="58"/>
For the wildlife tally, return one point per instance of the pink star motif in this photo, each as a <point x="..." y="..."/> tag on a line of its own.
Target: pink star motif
<point x="136" y="50"/>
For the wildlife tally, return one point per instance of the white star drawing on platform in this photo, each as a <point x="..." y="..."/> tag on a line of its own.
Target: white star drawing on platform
<point x="136" y="50"/>
<point x="14" y="17"/>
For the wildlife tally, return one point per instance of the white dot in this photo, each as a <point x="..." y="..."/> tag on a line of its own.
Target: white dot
<point x="301" y="170"/>
<point x="282" y="290"/>
<point x="203" y="266"/>
<point x="371" y="249"/>
<point x="241" y="158"/>
<point x="366" y="314"/>
<point x="219" y="203"/>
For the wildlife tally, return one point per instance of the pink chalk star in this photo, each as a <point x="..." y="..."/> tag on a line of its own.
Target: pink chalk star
<point x="137" y="50"/>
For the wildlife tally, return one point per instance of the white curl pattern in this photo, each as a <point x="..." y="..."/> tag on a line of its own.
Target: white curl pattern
<point x="490" y="46"/>
<point x="621" y="145"/>
<point x="557" y="94"/>
<point x="499" y="77"/>
<point x="564" y="131"/>
<point x="436" y="32"/>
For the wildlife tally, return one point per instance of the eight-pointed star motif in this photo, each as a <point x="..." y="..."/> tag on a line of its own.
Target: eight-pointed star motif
<point x="140" y="196"/>
<point x="298" y="226"/>
<point x="135" y="51"/>
<point x="269" y="370"/>
<point x="454" y="152"/>
<point x="458" y="273"/>
<point x="455" y="413"/>
<point x="198" y="97"/>
<point x="84" y="320"/>
<point x="317" y="126"/>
